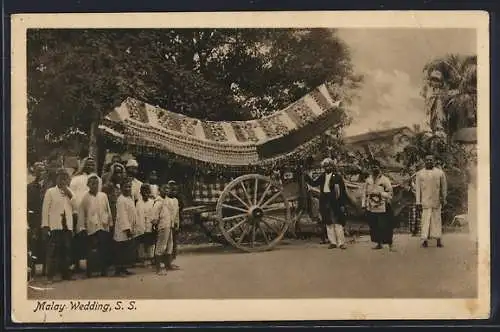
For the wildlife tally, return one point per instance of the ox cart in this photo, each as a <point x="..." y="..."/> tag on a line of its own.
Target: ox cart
<point x="248" y="189"/>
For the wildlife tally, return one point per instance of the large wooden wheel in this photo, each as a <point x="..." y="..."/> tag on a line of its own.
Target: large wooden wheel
<point x="253" y="213"/>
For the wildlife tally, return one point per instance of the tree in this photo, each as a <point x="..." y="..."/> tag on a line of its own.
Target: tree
<point x="76" y="76"/>
<point x="454" y="77"/>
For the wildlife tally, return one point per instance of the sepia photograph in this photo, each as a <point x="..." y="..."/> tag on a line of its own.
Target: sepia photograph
<point x="202" y="166"/>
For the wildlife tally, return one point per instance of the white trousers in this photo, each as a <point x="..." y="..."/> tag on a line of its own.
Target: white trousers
<point x="431" y="223"/>
<point x="164" y="242"/>
<point x="335" y="233"/>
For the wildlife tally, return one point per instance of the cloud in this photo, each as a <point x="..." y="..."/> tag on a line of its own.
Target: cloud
<point x="386" y="99"/>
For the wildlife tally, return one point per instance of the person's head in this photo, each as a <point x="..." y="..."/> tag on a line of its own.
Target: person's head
<point x="88" y="165"/>
<point x="132" y="167"/>
<point x="38" y="170"/>
<point x="93" y="184"/>
<point x="170" y="188"/>
<point x="375" y="168"/>
<point x="62" y="178"/>
<point x="116" y="159"/>
<point x="153" y="177"/>
<point x="117" y="173"/>
<point x="145" y="191"/>
<point x="163" y="190"/>
<point x="439" y="163"/>
<point x="328" y="165"/>
<point x="126" y="187"/>
<point x="429" y="161"/>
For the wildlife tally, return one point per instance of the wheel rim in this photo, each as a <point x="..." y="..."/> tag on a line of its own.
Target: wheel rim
<point x="253" y="213"/>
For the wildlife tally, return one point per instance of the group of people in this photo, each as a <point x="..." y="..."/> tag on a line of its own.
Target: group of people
<point x="114" y="221"/>
<point x="430" y="190"/>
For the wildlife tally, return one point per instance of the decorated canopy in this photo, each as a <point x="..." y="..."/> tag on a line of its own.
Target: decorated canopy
<point x="229" y="144"/>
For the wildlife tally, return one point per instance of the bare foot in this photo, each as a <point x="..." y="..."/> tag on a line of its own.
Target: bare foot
<point x="162" y="273"/>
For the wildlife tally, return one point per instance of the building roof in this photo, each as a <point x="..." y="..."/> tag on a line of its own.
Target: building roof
<point x="375" y="135"/>
<point x="466" y="135"/>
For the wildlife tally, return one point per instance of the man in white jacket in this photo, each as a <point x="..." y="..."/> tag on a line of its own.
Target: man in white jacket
<point x="95" y="220"/>
<point x="163" y="220"/>
<point x="132" y="168"/>
<point x="57" y="223"/>
<point x="79" y="187"/>
<point x="431" y="189"/>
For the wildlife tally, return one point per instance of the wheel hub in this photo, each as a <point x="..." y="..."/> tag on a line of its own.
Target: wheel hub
<point x="255" y="214"/>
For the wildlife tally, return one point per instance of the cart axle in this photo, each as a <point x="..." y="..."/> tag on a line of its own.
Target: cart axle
<point x="255" y="214"/>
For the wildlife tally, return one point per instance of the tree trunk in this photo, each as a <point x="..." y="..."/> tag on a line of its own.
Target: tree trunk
<point x="93" y="140"/>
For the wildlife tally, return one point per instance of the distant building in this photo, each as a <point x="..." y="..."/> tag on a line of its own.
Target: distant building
<point x="383" y="144"/>
<point x="398" y="138"/>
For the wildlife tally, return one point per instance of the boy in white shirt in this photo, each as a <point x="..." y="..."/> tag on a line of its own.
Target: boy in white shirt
<point x="174" y="208"/>
<point x="144" y="228"/>
<point x="163" y="221"/>
<point x="95" y="220"/>
<point x="79" y="187"/>
<point x="57" y="224"/>
<point x="126" y="216"/>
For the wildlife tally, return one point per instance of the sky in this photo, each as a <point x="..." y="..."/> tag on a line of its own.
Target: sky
<point x="392" y="61"/>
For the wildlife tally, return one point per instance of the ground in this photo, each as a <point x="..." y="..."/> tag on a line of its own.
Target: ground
<point x="295" y="269"/>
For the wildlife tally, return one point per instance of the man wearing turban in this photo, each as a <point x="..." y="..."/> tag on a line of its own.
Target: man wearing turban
<point x="332" y="201"/>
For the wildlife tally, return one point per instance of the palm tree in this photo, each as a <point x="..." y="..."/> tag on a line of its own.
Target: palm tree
<point x="453" y="79"/>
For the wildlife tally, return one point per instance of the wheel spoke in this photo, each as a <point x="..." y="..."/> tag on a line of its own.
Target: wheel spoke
<point x="271" y="226"/>
<point x="234" y="208"/>
<point x="245" y="232"/>
<point x="239" y="199"/>
<point x="246" y="192"/>
<point x="276" y="208"/>
<point x="256" y="191"/>
<point x="271" y="199"/>
<point x="237" y="216"/>
<point x="236" y="226"/>
<point x="264" y="194"/>
<point x="264" y="233"/>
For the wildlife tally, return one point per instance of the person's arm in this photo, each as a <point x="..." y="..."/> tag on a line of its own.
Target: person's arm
<point x="73" y="200"/>
<point x="47" y="202"/>
<point x="155" y="212"/>
<point x="165" y="214"/>
<point x="344" y="199"/>
<point x="388" y="191"/>
<point x="108" y="209"/>
<point x="418" y="188"/>
<point x="82" y="215"/>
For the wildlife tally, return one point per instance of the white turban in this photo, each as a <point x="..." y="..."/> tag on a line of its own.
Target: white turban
<point x="327" y="162"/>
<point x="132" y="163"/>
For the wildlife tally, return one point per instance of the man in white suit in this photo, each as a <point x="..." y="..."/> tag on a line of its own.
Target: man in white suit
<point x="431" y="189"/>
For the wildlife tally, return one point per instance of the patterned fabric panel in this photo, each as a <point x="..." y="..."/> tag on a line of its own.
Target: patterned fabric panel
<point x="214" y="131"/>
<point x="414" y="218"/>
<point x="137" y="110"/>
<point x="209" y="192"/>
<point x="300" y="113"/>
<point x="244" y="131"/>
<point x="273" y="126"/>
<point x="169" y="121"/>
<point x="320" y="100"/>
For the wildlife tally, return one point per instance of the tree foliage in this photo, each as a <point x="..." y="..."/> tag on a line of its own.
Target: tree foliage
<point x="459" y="89"/>
<point x="77" y="76"/>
